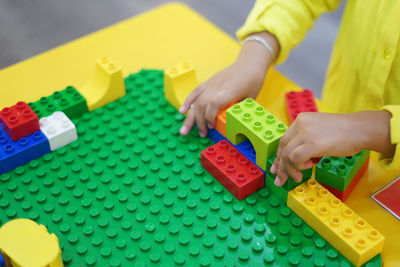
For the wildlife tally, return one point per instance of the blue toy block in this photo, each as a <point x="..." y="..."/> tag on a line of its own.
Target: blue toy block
<point x="14" y="154"/>
<point x="216" y="136"/>
<point x="2" y="261"/>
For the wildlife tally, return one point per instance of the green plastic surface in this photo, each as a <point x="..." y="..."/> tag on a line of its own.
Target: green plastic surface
<point x="131" y="192"/>
<point x="69" y="101"/>
<point x="338" y="172"/>
<point x="249" y="120"/>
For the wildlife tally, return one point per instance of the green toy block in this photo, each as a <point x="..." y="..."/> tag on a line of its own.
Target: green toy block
<point x="290" y="183"/>
<point x="279" y="191"/>
<point x="338" y="172"/>
<point x="69" y="101"/>
<point x="249" y="120"/>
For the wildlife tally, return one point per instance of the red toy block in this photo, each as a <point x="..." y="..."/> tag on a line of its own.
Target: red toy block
<point x="233" y="170"/>
<point x="297" y="102"/>
<point x="19" y="121"/>
<point x="343" y="195"/>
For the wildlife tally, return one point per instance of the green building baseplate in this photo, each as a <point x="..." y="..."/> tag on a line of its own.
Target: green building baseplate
<point x="131" y="192"/>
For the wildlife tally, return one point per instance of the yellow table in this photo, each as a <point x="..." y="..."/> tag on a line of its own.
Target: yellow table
<point x="161" y="38"/>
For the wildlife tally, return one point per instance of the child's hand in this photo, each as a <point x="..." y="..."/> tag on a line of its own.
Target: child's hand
<point x="242" y="79"/>
<point x="315" y="134"/>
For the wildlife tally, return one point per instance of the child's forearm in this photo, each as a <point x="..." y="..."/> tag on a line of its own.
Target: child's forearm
<point x="257" y="55"/>
<point x="374" y="129"/>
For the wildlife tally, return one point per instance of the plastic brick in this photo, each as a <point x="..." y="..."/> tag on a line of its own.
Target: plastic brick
<point x="297" y="102"/>
<point x="69" y="101"/>
<point x="26" y="243"/>
<point x="132" y="192"/>
<point x="59" y="130"/>
<point x="290" y="183"/>
<point x="220" y="120"/>
<point x="338" y="172"/>
<point x="279" y="191"/>
<point x="14" y="154"/>
<point x="105" y="86"/>
<point x="179" y="81"/>
<point x="249" y="120"/>
<point x="343" y="195"/>
<point x="234" y="171"/>
<point x="338" y="224"/>
<point x="19" y="120"/>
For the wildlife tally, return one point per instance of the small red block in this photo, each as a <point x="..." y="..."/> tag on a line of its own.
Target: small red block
<point x="233" y="170"/>
<point x="19" y="121"/>
<point x="297" y="102"/>
<point x="343" y="195"/>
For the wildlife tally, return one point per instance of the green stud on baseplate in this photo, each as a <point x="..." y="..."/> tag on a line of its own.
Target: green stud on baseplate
<point x="69" y="101"/>
<point x="338" y="172"/>
<point x="131" y="192"/>
<point x="249" y="120"/>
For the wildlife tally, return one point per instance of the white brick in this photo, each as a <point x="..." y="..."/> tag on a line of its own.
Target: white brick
<point x="59" y="129"/>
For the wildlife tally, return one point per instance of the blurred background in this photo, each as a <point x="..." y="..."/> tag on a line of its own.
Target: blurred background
<point x="28" y="28"/>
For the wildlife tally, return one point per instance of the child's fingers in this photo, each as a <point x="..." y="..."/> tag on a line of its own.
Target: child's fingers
<point x="191" y="98"/>
<point x="211" y="112"/>
<point x="188" y="123"/>
<point x="199" y="110"/>
<point x="301" y="155"/>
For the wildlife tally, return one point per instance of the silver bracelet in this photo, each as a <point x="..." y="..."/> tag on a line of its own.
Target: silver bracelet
<point x="262" y="42"/>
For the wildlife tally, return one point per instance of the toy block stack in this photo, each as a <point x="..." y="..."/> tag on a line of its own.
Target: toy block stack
<point x="350" y="234"/>
<point x="246" y="123"/>
<point x="341" y="174"/>
<point x="21" y="139"/>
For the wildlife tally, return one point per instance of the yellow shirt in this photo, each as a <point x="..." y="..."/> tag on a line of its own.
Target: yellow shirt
<point x="364" y="72"/>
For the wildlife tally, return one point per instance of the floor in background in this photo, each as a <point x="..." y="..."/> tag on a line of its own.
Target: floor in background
<point x="30" y="27"/>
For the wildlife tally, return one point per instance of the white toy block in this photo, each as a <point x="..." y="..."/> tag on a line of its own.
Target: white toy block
<point x="59" y="129"/>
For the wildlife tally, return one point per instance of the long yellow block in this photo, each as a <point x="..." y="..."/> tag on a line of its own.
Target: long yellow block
<point x="179" y="81"/>
<point x="106" y="85"/>
<point x="26" y="244"/>
<point x="333" y="220"/>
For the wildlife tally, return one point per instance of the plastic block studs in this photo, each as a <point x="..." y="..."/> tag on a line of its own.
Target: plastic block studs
<point x="69" y="101"/>
<point x="25" y="243"/>
<point x="333" y="220"/>
<point x="18" y="153"/>
<point x="249" y="120"/>
<point x="339" y="172"/>
<point x="232" y="170"/>
<point x="297" y="102"/>
<point x="59" y="129"/>
<point x="220" y="120"/>
<point x="105" y="86"/>
<point x="343" y="195"/>
<point x="19" y="121"/>
<point x="179" y="81"/>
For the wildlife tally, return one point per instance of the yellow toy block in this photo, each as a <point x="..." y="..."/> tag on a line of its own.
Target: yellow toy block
<point x="24" y="243"/>
<point x="179" y="81"/>
<point x="105" y="86"/>
<point x="333" y="220"/>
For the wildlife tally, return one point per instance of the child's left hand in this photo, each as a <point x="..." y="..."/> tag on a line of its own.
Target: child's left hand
<point x="315" y="134"/>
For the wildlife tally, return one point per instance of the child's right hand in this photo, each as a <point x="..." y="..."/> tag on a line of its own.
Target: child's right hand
<point x="242" y="79"/>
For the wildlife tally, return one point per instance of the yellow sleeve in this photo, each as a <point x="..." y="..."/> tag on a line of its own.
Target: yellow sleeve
<point x="393" y="163"/>
<point x="287" y="20"/>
